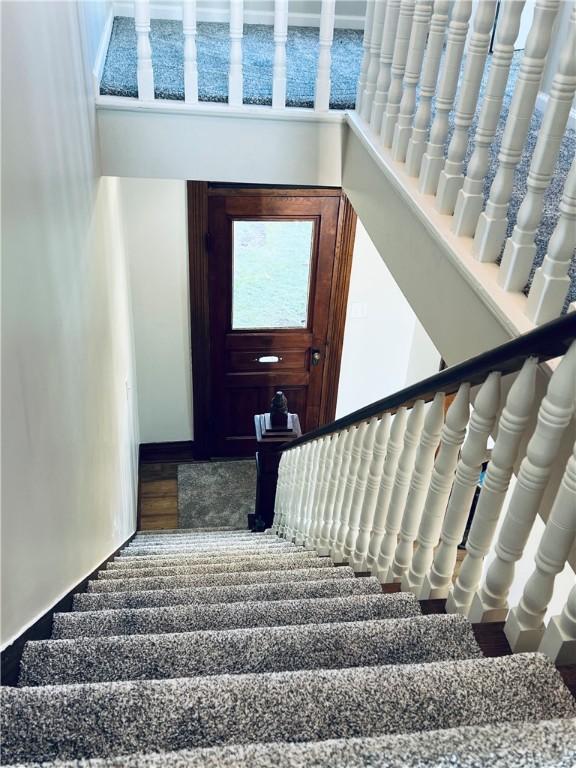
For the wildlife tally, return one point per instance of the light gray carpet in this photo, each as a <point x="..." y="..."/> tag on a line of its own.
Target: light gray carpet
<point x="240" y="651"/>
<point x="105" y="719"/>
<point x="289" y="590"/>
<point x="213" y="51"/>
<point x="547" y="744"/>
<point x="216" y="493"/>
<point x="185" y="618"/>
<point x="219" y="579"/>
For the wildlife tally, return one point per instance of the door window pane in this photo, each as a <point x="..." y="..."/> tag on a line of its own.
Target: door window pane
<point x="271" y="274"/>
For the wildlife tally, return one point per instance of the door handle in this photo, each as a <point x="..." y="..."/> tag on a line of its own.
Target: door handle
<point x="315" y="356"/>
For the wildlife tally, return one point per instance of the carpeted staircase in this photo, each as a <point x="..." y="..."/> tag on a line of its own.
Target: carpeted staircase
<point x="227" y="648"/>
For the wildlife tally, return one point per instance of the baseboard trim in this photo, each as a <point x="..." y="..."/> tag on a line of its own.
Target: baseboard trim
<point x="42" y="627"/>
<point x="179" y="451"/>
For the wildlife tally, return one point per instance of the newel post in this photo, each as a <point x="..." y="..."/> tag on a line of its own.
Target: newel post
<point x="272" y="429"/>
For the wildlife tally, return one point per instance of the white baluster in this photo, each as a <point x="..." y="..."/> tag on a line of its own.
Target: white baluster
<point x="322" y="92"/>
<point x="190" y="63"/>
<point x="366" y="55"/>
<point x="430" y="69"/>
<point x="551" y="282"/>
<point x="341" y="486"/>
<point x="493" y="221"/>
<point x="511" y="427"/>
<point x="418" y="38"/>
<point x="520" y="248"/>
<point x="386" y="485"/>
<point x="236" y="76"/>
<point x="145" y="73"/>
<point x="397" y="71"/>
<point x="559" y="641"/>
<point x="323" y="514"/>
<point x="329" y="516"/>
<point x="315" y="493"/>
<point x="525" y="626"/>
<point x="418" y="487"/>
<point x="308" y="491"/>
<point x="433" y="158"/>
<point x="300" y="507"/>
<point x="280" y="499"/>
<point x="294" y="492"/>
<point x="470" y="198"/>
<point x="437" y="583"/>
<point x="358" y="559"/>
<point x="400" y="491"/>
<point x="490" y="602"/>
<point x="386" y="53"/>
<point x="374" y="64"/>
<point x="337" y="552"/>
<point x="451" y="439"/>
<point x="279" y="69"/>
<point x="452" y="177"/>
<point x="360" y="488"/>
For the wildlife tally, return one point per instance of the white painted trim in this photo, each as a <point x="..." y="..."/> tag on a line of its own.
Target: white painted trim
<point x="173" y="11"/>
<point x="508" y="307"/>
<point x="207" y="108"/>
<point x="98" y="67"/>
<point x="542" y="101"/>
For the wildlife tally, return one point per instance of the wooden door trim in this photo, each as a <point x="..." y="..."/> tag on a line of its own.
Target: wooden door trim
<point x="198" y="255"/>
<point x="199" y="314"/>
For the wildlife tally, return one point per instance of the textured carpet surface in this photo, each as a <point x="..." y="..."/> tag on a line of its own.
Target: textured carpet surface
<point x="105" y="719"/>
<point x="260" y="649"/>
<point x="289" y="590"/>
<point x="219" y="579"/>
<point x="184" y="618"/>
<point x="546" y="744"/>
<point x="213" y="52"/>
<point x="203" y="556"/>
<point x="221" y="564"/>
<point x="216" y="493"/>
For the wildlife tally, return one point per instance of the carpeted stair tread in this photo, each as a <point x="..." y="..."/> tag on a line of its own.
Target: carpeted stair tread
<point x="220" y="530"/>
<point x="544" y="744"/>
<point x="182" y="558"/>
<point x="261" y="649"/>
<point x="148" y="550"/>
<point x="106" y="719"/>
<point x="264" y="562"/>
<point x="186" y="618"/>
<point x="289" y="590"/>
<point x="219" y="579"/>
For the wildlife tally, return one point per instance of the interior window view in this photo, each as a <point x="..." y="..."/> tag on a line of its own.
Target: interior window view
<point x="288" y="466"/>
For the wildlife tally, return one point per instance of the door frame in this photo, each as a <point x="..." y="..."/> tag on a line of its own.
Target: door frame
<point x="198" y="193"/>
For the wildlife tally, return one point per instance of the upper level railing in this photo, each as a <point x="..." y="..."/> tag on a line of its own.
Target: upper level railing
<point x="389" y="488"/>
<point x="446" y="101"/>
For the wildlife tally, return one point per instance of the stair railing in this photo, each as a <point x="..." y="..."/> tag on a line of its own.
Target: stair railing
<point x="389" y="488"/>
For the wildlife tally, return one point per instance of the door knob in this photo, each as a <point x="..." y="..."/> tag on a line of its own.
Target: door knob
<point x="315" y="356"/>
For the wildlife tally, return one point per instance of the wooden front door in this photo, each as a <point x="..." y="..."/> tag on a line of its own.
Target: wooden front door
<point x="271" y="274"/>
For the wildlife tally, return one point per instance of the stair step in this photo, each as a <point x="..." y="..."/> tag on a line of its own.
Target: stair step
<point x="186" y="618"/>
<point x="289" y="590"/>
<point x="106" y="719"/>
<point x="224" y="564"/>
<point x="182" y="558"/>
<point x="219" y="579"/>
<point x="260" y="649"/>
<point x="175" y="549"/>
<point x="546" y="744"/>
<point x="216" y="531"/>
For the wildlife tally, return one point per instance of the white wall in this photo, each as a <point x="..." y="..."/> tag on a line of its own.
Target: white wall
<point x="385" y="347"/>
<point x="69" y="432"/>
<point x="155" y="231"/>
